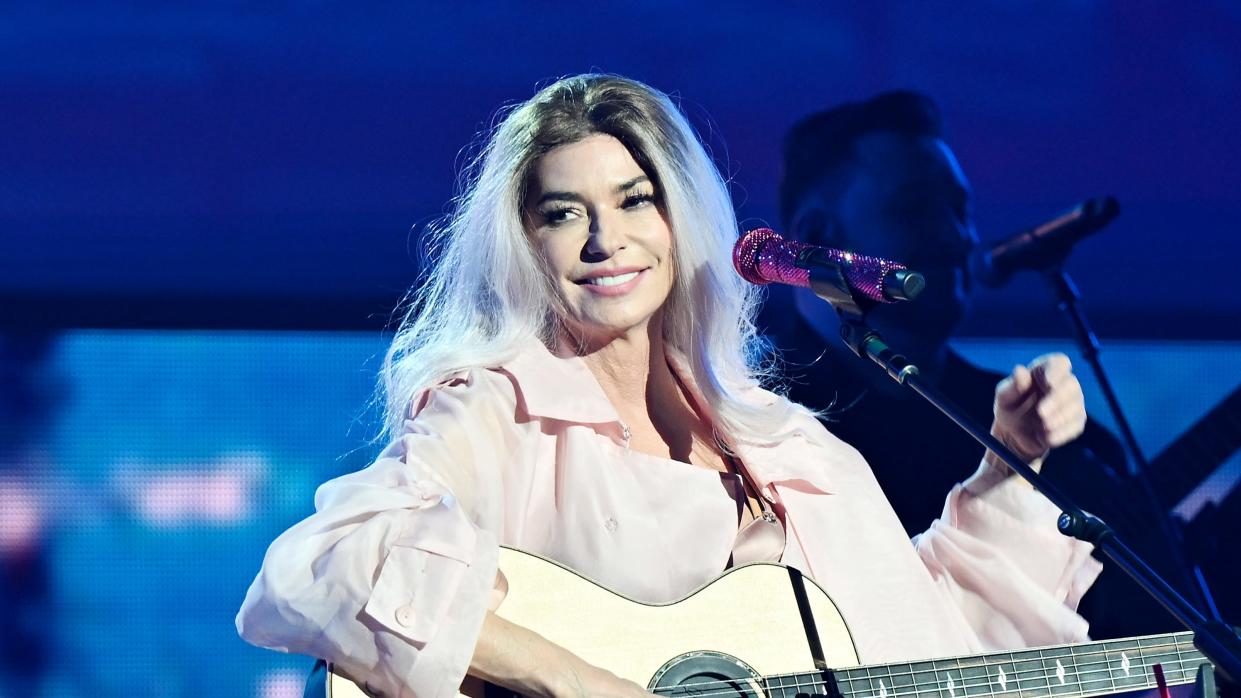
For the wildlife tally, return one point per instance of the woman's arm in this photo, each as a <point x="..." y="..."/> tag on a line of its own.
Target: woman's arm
<point x="1037" y="408"/>
<point x="521" y="660"/>
<point x="391" y="578"/>
<point x="995" y="551"/>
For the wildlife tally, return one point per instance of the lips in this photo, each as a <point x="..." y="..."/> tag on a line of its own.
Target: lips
<point x="610" y="277"/>
<point x="612" y="282"/>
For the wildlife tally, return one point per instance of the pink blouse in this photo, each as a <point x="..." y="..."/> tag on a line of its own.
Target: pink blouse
<point x="392" y="575"/>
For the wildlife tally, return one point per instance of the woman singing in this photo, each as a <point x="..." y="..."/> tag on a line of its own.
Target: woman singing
<point x="579" y="377"/>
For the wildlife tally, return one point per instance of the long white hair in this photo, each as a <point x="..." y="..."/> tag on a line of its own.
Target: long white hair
<point x="486" y="292"/>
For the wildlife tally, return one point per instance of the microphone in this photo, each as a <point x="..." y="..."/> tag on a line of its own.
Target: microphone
<point x="1043" y="246"/>
<point x="761" y="257"/>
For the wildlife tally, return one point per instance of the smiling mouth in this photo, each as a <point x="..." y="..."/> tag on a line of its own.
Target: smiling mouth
<point x="610" y="280"/>
<point x="606" y="279"/>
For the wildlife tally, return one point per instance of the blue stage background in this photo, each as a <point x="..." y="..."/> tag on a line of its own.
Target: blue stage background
<point x="208" y="212"/>
<point x="176" y="457"/>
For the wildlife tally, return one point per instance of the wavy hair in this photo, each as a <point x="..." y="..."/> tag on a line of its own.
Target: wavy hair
<point x="486" y="292"/>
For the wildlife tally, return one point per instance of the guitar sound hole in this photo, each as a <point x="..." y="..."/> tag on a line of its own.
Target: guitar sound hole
<point x="706" y="675"/>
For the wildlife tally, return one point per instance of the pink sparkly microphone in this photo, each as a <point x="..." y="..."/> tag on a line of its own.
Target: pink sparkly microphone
<point x="761" y="256"/>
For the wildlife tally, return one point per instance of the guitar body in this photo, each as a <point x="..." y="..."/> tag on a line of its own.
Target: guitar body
<point x="751" y="613"/>
<point x="764" y="631"/>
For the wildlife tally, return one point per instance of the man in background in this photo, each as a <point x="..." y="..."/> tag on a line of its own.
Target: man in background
<point x="876" y="177"/>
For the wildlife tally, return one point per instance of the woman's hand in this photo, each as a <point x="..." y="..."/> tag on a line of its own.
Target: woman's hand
<point x="1037" y="408"/>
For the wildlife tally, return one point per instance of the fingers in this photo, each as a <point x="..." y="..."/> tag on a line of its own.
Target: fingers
<point x="1050" y="370"/>
<point x="1062" y="409"/>
<point x="1046" y="375"/>
<point x="1015" y="391"/>
<point x="1041" y="406"/>
<point x="1061" y="400"/>
<point x="1064" y="426"/>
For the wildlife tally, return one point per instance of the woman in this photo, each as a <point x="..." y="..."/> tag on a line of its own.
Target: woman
<point x="578" y="378"/>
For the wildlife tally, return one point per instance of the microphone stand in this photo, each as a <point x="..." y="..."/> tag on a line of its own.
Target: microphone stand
<point x="1067" y="299"/>
<point x="1217" y="642"/>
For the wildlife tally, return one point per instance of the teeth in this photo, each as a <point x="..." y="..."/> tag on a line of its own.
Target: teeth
<point x="611" y="280"/>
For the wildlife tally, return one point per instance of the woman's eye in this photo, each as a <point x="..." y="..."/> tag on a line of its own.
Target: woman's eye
<point x="635" y="200"/>
<point x="559" y="215"/>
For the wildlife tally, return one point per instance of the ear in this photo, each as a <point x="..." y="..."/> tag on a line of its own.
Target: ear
<point x="814" y="226"/>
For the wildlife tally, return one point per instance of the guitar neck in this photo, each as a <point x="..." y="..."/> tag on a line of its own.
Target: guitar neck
<point x="1091" y="669"/>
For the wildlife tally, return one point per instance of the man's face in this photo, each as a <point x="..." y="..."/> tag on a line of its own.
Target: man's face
<point x="905" y="198"/>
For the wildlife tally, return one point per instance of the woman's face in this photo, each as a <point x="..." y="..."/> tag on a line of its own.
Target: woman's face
<point x="594" y="216"/>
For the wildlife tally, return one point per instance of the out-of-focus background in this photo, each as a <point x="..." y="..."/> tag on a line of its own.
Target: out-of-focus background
<point x="209" y="211"/>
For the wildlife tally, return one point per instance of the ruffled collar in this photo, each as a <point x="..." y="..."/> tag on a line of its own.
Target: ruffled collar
<point x="564" y="388"/>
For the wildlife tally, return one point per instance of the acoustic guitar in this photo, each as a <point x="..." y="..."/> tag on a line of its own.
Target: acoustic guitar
<point x="763" y="630"/>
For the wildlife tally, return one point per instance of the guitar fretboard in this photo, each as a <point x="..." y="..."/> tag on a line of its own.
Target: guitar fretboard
<point x="1070" y="671"/>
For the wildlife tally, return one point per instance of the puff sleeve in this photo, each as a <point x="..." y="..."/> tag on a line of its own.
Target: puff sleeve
<point x="996" y="552"/>
<point x="391" y="576"/>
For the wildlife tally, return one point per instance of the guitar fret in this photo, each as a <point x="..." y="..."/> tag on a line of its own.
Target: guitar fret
<point x="821" y="685"/>
<point x="788" y="686"/>
<point x="974" y="677"/>
<point x="1060" y="678"/>
<point x="926" y="684"/>
<point x="792" y="685"/>
<point x="1008" y="682"/>
<point x="780" y="687"/>
<point x="817" y="682"/>
<point x="901" y="682"/>
<point x="956" y="687"/>
<point x="1107" y="668"/>
<point x="1042" y="665"/>
<point x="878" y="688"/>
<point x="1032" y="678"/>
<point x="770" y="685"/>
<point x="1013" y="684"/>
<point x="1069" y="671"/>
<point x="800" y="686"/>
<point x="1078" y="677"/>
<point x="1185" y="657"/>
<point x="1154" y="652"/>
<point x="949" y="679"/>
<point x="1093" y="678"/>
<point x="1187" y="673"/>
<point x="1124" y="661"/>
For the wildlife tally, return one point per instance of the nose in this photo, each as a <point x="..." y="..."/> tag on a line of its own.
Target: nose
<point x="606" y="237"/>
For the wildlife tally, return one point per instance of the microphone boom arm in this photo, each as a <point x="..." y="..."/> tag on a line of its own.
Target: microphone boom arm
<point x="1218" y="642"/>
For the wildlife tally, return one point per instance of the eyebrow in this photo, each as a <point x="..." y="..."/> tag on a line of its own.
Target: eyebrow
<point x="577" y="198"/>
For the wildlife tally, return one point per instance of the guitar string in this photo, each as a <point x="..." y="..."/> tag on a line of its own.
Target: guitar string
<point x="701" y="692"/>
<point x="1147" y="650"/>
<point x="1080" y="686"/>
<point x="965" y="685"/>
<point x="1144" y="650"/>
<point x="1106" y="684"/>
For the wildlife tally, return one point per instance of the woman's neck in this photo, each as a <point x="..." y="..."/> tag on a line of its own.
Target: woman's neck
<point x="632" y="369"/>
<point x="633" y="372"/>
